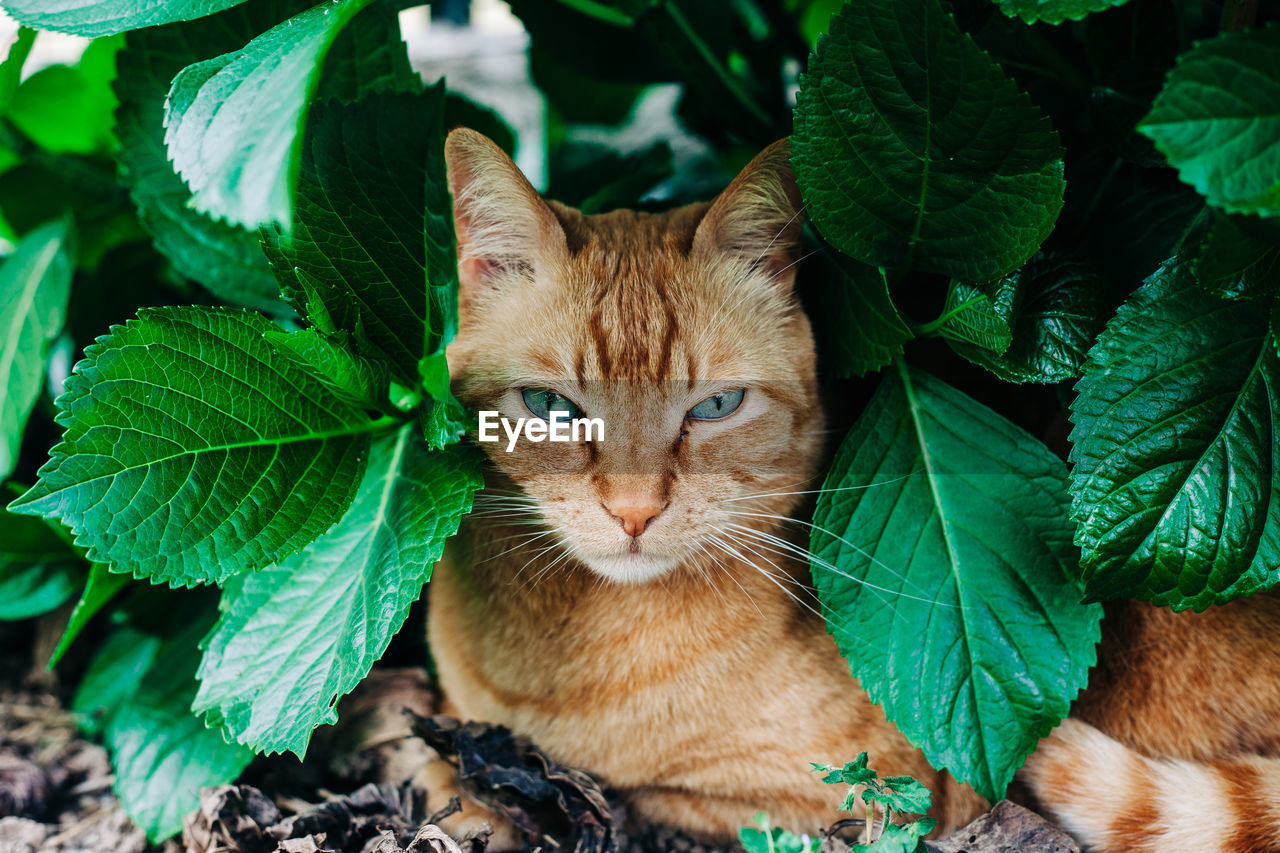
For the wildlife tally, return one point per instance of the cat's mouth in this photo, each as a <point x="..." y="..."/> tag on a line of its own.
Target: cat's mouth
<point x="633" y="563"/>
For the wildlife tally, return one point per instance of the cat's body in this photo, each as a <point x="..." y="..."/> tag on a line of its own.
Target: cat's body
<point x="624" y="605"/>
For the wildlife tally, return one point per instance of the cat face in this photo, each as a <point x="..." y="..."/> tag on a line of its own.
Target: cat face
<point x="678" y="331"/>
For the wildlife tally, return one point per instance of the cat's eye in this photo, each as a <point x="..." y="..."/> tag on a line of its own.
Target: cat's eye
<point x="542" y="402"/>
<point x="717" y="405"/>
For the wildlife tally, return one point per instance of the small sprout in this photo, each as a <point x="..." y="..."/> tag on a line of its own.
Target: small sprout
<point x="764" y="838"/>
<point x="901" y="794"/>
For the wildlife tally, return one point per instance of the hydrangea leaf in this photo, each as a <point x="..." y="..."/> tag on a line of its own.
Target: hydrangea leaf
<point x="103" y="17"/>
<point x="194" y="450"/>
<point x="1240" y="257"/>
<point x="138" y="690"/>
<point x="295" y="637"/>
<point x="942" y="555"/>
<point x="852" y="295"/>
<point x="224" y="258"/>
<point x="912" y="147"/>
<point x="234" y="122"/>
<point x="371" y="252"/>
<point x="35" y="283"/>
<point x="1217" y="120"/>
<point x="1054" y="11"/>
<point x="1175" y="458"/>
<point x="39" y="570"/>
<point x="1051" y="310"/>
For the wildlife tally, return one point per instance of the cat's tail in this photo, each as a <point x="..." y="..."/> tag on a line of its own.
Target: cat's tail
<point x="1116" y="800"/>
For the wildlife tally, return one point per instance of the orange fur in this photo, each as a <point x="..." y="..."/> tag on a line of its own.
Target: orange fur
<point x="696" y="677"/>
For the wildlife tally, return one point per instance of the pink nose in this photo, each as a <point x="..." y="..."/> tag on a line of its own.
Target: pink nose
<point x="634" y="518"/>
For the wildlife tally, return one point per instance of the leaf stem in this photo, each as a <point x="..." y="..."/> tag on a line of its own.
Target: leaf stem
<point x="712" y="62"/>
<point x="601" y="12"/>
<point x="931" y="328"/>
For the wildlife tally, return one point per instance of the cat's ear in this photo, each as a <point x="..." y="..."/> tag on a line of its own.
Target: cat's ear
<point x="501" y="222"/>
<point x="758" y="217"/>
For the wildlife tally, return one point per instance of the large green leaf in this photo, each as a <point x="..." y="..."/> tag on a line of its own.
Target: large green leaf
<point x="858" y="325"/>
<point x="1217" y="120"/>
<point x="39" y="570"/>
<point x="100" y="588"/>
<point x="1240" y="257"/>
<point x="371" y="252"/>
<point x="234" y="123"/>
<point x="1174" y="450"/>
<point x="103" y="17"/>
<point x="66" y="109"/>
<point x="975" y="319"/>
<point x="140" y="687"/>
<point x="913" y="148"/>
<point x="1051" y="310"/>
<point x="194" y="450"/>
<point x="226" y="259"/>
<point x="295" y="637"/>
<point x="1054" y="11"/>
<point x="35" y="282"/>
<point x="943" y="558"/>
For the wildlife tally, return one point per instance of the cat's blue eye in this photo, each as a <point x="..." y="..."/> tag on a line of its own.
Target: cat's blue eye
<point x="718" y="405"/>
<point x="542" y="402"/>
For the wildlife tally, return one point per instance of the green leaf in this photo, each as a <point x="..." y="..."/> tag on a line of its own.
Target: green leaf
<point x="226" y="259"/>
<point x="35" y="282"/>
<point x="900" y="838"/>
<point x="104" y="17"/>
<point x="372" y="184"/>
<point x="101" y="587"/>
<point x="901" y="794"/>
<point x="765" y="838"/>
<point x="333" y="362"/>
<point x="853" y="296"/>
<point x="943" y="560"/>
<point x="194" y="450"/>
<point x="162" y="755"/>
<point x="38" y="569"/>
<point x="1240" y="259"/>
<point x="912" y="148"/>
<point x="234" y="123"/>
<point x="296" y="637"/>
<point x="11" y="68"/>
<point x="1217" y="120"/>
<point x="976" y="320"/>
<point x="68" y="110"/>
<point x="1052" y="309"/>
<point x="1176" y="497"/>
<point x="1054" y="11"/>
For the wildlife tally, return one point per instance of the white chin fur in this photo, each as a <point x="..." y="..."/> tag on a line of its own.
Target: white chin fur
<point x="630" y="568"/>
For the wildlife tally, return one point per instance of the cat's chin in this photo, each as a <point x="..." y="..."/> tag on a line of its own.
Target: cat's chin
<point x="630" y="568"/>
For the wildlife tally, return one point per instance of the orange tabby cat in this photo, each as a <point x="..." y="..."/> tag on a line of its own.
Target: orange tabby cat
<point x="606" y="601"/>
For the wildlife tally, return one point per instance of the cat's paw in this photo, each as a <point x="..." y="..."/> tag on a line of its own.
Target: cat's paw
<point x="440" y="780"/>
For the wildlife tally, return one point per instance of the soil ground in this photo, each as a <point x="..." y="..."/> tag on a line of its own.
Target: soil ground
<point x="55" y="786"/>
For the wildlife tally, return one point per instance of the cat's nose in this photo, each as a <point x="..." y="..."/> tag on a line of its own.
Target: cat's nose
<point x="634" y="517"/>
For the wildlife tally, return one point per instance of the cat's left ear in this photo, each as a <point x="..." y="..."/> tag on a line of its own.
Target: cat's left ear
<point x="758" y="217"/>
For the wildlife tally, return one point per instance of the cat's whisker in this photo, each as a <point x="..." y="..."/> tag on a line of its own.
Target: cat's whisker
<point x="768" y="575"/>
<point x="819" y="491"/>
<point x="821" y="563"/>
<point x="569" y="552"/>
<point x="715" y="540"/>
<point x="515" y="578"/>
<point x="718" y="542"/>
<point x="526" y="539"/>
<point x="706" y="575"/>
<point x="775" y="517"/>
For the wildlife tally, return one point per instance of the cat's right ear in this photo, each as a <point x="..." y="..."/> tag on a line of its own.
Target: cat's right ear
<point x="503" y="226"/>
